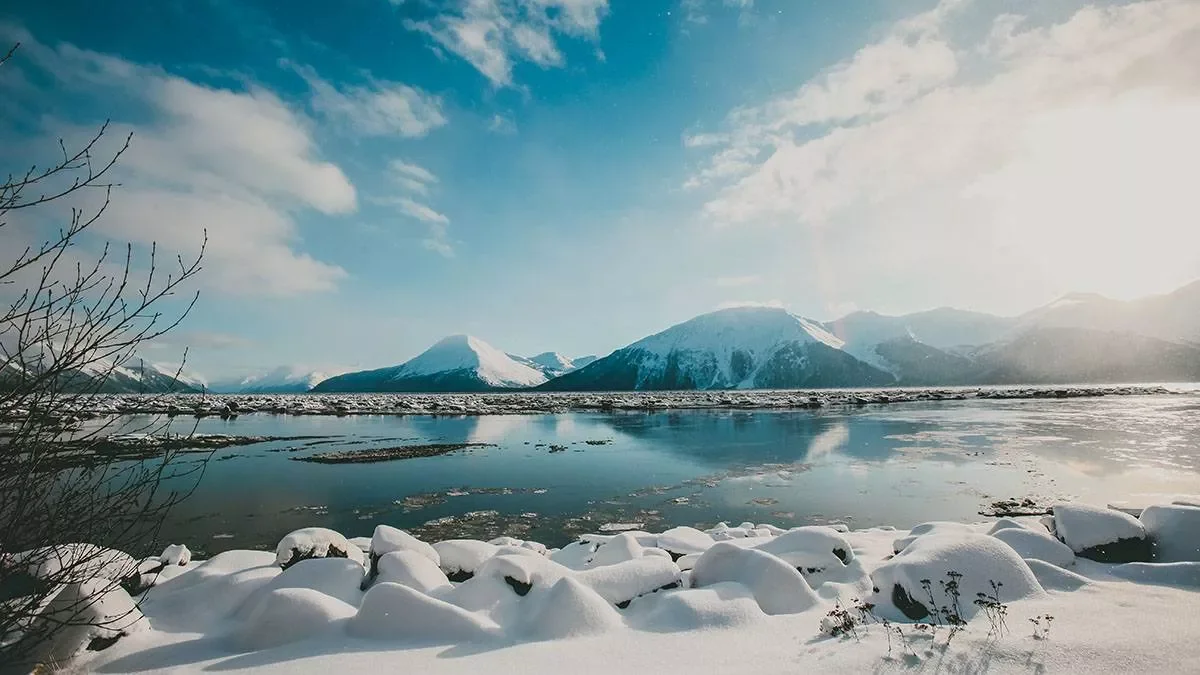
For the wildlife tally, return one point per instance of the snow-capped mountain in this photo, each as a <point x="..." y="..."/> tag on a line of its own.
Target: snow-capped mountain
<point x="1174" y="317"/>
<point x="551" y="364"/>
<point x="740" y="347"/>
<point x="946" y="329"/>
<point x="281" y="380"/>
<point x="581" y="361"/>
<point x="456" y="363"/>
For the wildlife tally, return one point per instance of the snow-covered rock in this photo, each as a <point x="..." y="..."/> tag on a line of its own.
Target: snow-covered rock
<point x="778" y="587"/>
<point x="459" y="558"/>
<point x="680" y="541"/>
<point x="387" y="539"/>
<point x="96" y="609"/>
<point x="1037" y="546"/>
<point x="286" y="615"/>
<point x="315" y="542"/>
<point x="210" y="593"/>
<point x="1174" y="530"/>
<point x="570" y="609"/>
<point x="399" y="613"/>
<point x="1101" y="534"/>
<point x="718" y="605"/>
<point x="336" y="577"/>
<point x="620" y="583"/>
<point x="936" y="527"/>
<point x="412" y="569"/>
<point x="76" y="563"/>
<point x="907" y="581"/>
<point x="176" y="554"/>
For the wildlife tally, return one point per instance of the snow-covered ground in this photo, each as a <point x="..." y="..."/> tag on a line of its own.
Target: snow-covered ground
<point x="750" y="598"/>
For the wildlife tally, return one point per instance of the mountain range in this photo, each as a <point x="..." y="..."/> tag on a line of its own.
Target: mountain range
<point x="1077" y="338"/>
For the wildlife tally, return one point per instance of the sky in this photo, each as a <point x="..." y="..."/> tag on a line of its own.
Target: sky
<point x="573" y="175"/>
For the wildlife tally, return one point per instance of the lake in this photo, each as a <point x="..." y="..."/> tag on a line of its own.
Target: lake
<point x="550" y="477"/>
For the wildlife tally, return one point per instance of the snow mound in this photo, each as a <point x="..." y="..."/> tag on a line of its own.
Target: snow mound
<point x="211" y="592"/>
<point x="86" y="611"/>
<point x="777" y="586"/>
<point x="394" y="612"/>
<point x="1178" y="574"/>
<point x="811" y="546"/>
<point x="315" y="542"/>
<point x="1054" y="578"/>
<point x="680" y="541"/>
<point x="979" y="558"/>
<point x="1101" y="534"/>
<point x="1175" y="531"/>
<point x="624" y="547"/>
<point x="412" y="569"/>
<point x="461" y="557"/>
<point x="1037" y="546"/>
<point x="387" y="539"/>
<point x="335" y="577"/>
<point x="719" y="605"/>
<point x="1006" y="524"/>
<point x="286" y="615"/>
<point x="624" y="581"/>
<point x="570" y="609"/>
<point x="76" y="563"/>
<point x="936" y="527"/>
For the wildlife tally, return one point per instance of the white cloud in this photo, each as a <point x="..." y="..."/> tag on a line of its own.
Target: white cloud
<point x="696" y="11"/>
<point x="1062" y="152"/>
<point x="414" y="177"/>
<point x="420" y="211"/>
<point x="501" y="124"/>
<point x="378" y="108"/>
<point x="492" y="35"/>
<point x="238" y="164"/>
<point x="733" y="282"/>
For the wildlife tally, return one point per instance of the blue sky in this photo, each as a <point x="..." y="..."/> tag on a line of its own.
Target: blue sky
<point x="572" y="175"/>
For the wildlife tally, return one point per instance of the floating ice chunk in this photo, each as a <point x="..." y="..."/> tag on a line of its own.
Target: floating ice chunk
<point x="394" y="612"/>
<point x="777" y="586"/>
<point x="683" y="540"/>
<point x="1175" y="531"/>
<point x="570" y="609"/>
<point x="412" y="569"/>
<point x="176" y="554"/>
<point x="1037" y="546"/>
<point x="286" y="615"/>
<point x="979" y="558"/>
<point x="387" y="539"/>
<point x="315" y="542"/>
<point x="720" y="605"/>
<point x="1101" y="534"/>
<point x="336" y="577"/>
<point x="1178" y="574"/>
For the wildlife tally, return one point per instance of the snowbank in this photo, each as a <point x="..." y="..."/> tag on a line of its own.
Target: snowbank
<point x="286" y="615"/>
<point x="394" y="612"/>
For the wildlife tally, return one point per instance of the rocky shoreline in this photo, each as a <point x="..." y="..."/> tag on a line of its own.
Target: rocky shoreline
<point x="516" y="403"/>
